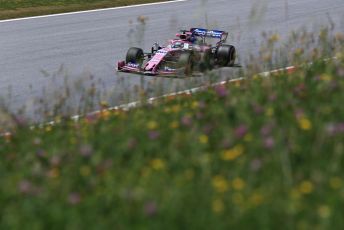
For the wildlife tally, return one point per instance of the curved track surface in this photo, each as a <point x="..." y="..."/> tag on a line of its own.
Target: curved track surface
<point x="39" y="55"/>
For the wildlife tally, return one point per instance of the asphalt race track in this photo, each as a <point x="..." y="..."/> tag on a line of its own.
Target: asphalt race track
<point x="39" y="55"/>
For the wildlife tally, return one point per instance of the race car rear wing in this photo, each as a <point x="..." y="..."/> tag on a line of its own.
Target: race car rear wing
<point x="200" y="32"/>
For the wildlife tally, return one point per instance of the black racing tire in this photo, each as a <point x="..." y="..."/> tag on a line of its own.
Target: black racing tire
<point x="185" y="63"/>
<point x="135" y="55"/>
<point x="225" y="55"/>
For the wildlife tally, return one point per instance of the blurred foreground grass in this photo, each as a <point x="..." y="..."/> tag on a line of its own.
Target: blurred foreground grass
<point x="24" y="8"/>
<point x="265" y="153"/>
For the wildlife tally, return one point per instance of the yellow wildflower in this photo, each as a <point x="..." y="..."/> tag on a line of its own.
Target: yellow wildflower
<point x="176" y="108"/>
<point x="158" y="164"/>
<point x="326" y="109"/>
<point x="274" y="38"/>
<point x="324" y="211"/>
<point x="237" y="198"/>
<point x="218" y="206"/>
<point x="174" y="125"/>
<point x="8" y="137"/>
<point x="204" y="159"/>
<point x="256" y="199"/>
<point x="269" y="112"/>
<point x="336" y="182"/>
<point x="152" y="125"/>
<point x="57" y="119"/>
<point x="105" y="114"/>
<point x="256" y="77"/>
<point x="306" y="187"/>
<point x="299" y="51"/>
<point x="233" y="153"/>
<point x="305" y="124"/>
<point x="194" y="105"/>
<point x="146" y="171"/>
<point x="220" y="184"/>
<point x="267" y="57"/>
<point x="54" y="173"/>
<point x="104" y="104"/>
<point x="72" y="140"/>
<point x="48" y="128"/>
<point x="248" y="137"/>
<point x="189" y="174"/>
<point x="295" y="194"/>
<point x="85" y="170"/>
<point x="238" y="184"/>
<point x="203" y="139"/>
<point x="325" y="77"/>
<point x="167" y="110"/>
<point x="237" y="83"/>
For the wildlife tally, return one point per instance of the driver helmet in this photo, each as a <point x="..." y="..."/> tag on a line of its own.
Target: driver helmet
<point x="177" y="45"/>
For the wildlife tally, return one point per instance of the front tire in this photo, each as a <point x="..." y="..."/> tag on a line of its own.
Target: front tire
<point x="135" y="55"/>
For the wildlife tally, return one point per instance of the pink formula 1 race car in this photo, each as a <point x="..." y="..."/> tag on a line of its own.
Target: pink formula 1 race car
<point x="191" y="51"/>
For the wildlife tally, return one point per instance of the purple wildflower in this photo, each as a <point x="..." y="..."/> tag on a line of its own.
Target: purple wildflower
<point x="74" y="198"/>
<point x="299" y="113"/>
<point x="226" y="144"/>
<point x="331" y="129"/>
<point x="256" y="164"/>
<point x="340" y="72"/>
<point x="55" y="161"/>
<point x="37" y="141"/>
<point x="186" y="121"/>
<point x="272" y="97"/>
<point x="92" y="117"/>
<point x="317" y="78"/>
<point x="25" y="186"/>
<point x="86" y="150"/>
<point x="153" y="134"/>
<point x="258" y="109"/>
<point x="269" y="142"/>
<point x="201" y="104"/>
<point x="208" y="128"/>
<point x="221" y="91"/>
<point x="340" y="127"/>
<point x="150" y="208"/>
<point x="334" y="128"/>
<point x="240" y="131"/>
<point x="132" y="142"/>
<point x="20" y="120"/>
<point x="199" y="115"/>
<point x="266" y="129"/>
<point x="41" y="153"/>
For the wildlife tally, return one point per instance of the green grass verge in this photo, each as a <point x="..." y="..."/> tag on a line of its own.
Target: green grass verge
<point x="264" y="154"/>
<point x="25" y="8"/>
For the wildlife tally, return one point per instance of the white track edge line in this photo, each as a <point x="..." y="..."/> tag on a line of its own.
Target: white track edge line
<point x="152" y="99"/>
<point x="91" y="11"/>
<point x="135" y="104"/>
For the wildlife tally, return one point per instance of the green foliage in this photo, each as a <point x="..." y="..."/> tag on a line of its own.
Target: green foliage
<point x="23" y="8"/>
<point x="265" y="153"/>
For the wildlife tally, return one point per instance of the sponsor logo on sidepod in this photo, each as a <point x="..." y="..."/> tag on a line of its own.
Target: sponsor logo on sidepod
<point x="133" y="65"/>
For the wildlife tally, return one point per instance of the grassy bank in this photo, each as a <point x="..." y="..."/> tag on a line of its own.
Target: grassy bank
<point x="25" y="8"/>
<point x="264" y="154"/>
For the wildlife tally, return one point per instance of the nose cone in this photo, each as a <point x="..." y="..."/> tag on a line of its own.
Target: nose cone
<point x="156" y="59"/>
<point x="150" y="65"/>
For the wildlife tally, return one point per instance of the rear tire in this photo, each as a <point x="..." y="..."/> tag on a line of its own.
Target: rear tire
<point x="135" y="55"/>
<point x="226" y="55"/>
